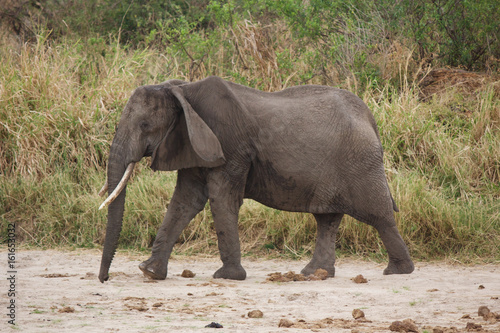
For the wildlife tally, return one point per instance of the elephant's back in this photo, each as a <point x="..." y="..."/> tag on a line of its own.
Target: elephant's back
<point x="317" y="146"/>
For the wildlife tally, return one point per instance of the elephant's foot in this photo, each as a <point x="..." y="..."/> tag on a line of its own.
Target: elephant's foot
<point x="399" y="267"/>
<point x="231" y="272"/>
<point x="311" y="268"/>
<point x="154" y="268"/>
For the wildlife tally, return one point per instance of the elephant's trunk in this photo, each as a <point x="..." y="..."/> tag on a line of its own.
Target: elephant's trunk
<point x="117" y="177"/>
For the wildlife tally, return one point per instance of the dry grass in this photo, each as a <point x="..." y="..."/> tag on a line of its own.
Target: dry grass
<point x="60" y="101"/>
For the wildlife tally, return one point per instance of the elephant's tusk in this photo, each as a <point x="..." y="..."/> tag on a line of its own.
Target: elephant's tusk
<point x="103" y="189"/>
<point x="120" y="187"/>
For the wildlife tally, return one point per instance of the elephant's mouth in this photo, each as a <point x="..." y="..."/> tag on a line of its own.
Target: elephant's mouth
<point x="149" y="151"/>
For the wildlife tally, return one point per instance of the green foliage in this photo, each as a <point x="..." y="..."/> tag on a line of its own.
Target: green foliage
<point x="461" y="33"/>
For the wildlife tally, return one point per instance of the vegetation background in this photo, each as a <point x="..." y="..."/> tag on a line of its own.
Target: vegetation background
<point x="427" y="69"/>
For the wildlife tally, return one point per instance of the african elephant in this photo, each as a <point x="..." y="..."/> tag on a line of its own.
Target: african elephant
<point x="308" y="148"/>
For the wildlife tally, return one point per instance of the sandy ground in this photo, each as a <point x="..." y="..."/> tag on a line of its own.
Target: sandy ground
<point x="58" y="291"/>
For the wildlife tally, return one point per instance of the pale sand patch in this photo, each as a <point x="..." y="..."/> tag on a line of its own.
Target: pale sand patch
<point x="51" y="283"/>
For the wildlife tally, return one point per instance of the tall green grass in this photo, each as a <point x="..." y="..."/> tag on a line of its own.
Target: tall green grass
<point x="60" y="102"/>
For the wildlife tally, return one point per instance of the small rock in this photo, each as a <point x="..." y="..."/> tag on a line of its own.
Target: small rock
<point x="360" y="279"/>
<point x="157" y="305"/>
<point x="465" y="316"/>
<point x="187" y="274"/>
<point x="483" y="311"/>
<point x="285" y="323"/>
<point x="214" y="325"/>
<point x="255" y="314"/>
<point x="480" y="287"/>
<point x="357" y="314"/>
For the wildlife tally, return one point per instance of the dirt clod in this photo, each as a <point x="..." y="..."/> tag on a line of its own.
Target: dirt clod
<point x="136" y="303"/>
<point x="439" y="329"/>
<point x="321" y="273"/>
<point x="285" y="323"/>
<point x="473" y="327"/>
<point x="55" y="275"/>
<point x="187" y="274"/>
<point x="255" y="314"/>
<point x="295" y="277"/>
<point x="66" y="309"/>
<point x="138" y="307"/>
<point x="212" y="294"/>
<point x="88" y="276"/>
<point x="214" y="325"/>
<point x="360" y="279"/>
<point x="488" y="315"/>
<point x="358" y="314"/>
<point x="481" y="287"/>
<point x="287" y="277"/>
<point x="406" y="325"/>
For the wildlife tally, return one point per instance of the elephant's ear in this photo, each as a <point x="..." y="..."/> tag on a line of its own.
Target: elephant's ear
<point x="189" y="143"/>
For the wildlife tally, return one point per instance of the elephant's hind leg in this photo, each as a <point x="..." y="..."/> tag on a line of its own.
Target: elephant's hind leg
<point x="324" y="252"/>
<point x="399" y="257"/>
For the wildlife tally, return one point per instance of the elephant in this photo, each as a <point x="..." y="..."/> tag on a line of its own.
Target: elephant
<point x="309" y="148"/>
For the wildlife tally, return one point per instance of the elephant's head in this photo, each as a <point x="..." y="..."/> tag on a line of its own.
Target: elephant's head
<point x="157" y="121"/>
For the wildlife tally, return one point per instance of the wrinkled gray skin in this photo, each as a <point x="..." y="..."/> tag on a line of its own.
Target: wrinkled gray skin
<point x="309" y="149"/>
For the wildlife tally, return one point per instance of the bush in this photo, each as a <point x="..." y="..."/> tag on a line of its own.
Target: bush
<point x="457" y="33"/>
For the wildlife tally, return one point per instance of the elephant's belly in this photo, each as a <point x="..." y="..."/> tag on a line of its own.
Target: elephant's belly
<point x="294" y="194"/>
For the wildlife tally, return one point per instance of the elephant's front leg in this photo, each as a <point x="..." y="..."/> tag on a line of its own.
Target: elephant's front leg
<point x="324" y="252"/>
<point x="189" y="199"/>
<point x="226" y="199"/>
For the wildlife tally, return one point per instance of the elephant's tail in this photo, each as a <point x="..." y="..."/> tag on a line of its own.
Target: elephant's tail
<point x="394" y="206"/>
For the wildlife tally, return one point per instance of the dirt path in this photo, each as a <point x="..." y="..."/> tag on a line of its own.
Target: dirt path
<point x="59" y="292"/>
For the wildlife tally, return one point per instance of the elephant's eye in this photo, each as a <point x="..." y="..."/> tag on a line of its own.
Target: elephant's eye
<point x="144" y="125"/>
